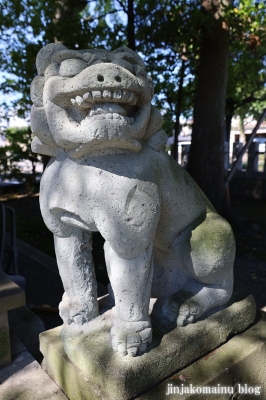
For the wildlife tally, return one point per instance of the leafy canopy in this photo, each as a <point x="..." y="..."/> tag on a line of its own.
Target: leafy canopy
<point x="167" y="33"/>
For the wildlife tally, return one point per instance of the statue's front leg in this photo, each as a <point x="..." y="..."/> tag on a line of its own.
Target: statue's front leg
<point x="131" y="280"/>
<point x="79" y="304"/>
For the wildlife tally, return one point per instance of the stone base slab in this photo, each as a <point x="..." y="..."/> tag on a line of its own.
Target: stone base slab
<point x="97" y="372"/>
<point x="235" y="370"/>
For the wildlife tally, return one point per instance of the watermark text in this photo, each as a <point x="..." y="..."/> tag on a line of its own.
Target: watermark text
<point x="219" y="389"/>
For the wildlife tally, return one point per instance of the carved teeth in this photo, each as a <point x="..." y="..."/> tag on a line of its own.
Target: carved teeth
<point x="107" y="104"/>
<point x="79" y="100"/>
<point x="101" y="115"/>
<point x="87" y="97"/>
<point x="107" y="94"/>
<point x="132" y="98"/>
<point x="96" y="94"/>
<point x="117" y="94"/>
<point x="125" y="94"/>
<point x="108" y="108"/>
<point x="93" y="116"/>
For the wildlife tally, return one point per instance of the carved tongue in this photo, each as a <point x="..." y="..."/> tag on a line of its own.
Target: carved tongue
<point x="107" y="108"/>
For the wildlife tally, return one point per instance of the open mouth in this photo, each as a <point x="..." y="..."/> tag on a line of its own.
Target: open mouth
<point x="107" y="104"/>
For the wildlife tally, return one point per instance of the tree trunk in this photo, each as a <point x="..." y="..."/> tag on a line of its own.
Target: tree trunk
<point x="66" y="21"/>
<point x="206" y="160"/>
<point x="131" y="41"/>
<point x="174" y="152"/>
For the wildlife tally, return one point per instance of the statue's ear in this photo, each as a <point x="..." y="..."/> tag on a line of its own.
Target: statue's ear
<point x="36" y="90"/>
<point x="43" y="141"/>
<point x="155" y="137"/>
<point x="155" y="123"/>
<point x="45" y="55"/>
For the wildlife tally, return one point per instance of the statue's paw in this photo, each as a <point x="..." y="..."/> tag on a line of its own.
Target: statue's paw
<point x="206" y="299"/>
<point x="131" y="338"/>
<point x="71" y="311"/>
<point x="188" y="312"/>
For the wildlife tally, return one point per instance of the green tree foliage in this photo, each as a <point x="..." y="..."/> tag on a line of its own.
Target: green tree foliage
<point x="169" y="34"/>
<point x="17" y="149"/>
<point x="246" y="94"/>
<point x="172" y="52"/>
<point x="28" y="25"/>
<point x="25" y="27"/>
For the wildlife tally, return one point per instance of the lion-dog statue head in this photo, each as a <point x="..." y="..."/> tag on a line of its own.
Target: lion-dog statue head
<point x="91" y="100"/>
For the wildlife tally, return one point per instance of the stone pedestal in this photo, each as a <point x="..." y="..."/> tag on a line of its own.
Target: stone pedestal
<point x="97" y="372"/>
<point x="11" y="296"/>
<point x="235" y="370"/>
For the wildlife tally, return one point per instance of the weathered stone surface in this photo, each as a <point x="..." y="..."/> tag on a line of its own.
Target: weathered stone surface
<point x="239" y="364"/>
<point x="109" y="172"/>
<point x="104" y="374"/>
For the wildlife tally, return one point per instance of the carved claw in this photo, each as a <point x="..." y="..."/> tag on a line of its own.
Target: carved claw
<point x="131" y="337"/>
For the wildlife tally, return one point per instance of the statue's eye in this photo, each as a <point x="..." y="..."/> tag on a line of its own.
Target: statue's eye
<point x="123" y="63"/>
<point x="72" y="67"/>
<point x="139" y="71"/>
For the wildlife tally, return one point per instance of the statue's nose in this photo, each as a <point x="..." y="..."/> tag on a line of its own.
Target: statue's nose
<point x="107" y="77"/>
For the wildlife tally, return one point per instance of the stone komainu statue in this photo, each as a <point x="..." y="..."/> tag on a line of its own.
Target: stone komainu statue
<point x="109" y="172"/>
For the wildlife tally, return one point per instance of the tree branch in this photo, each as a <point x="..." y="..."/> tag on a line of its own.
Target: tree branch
<point x="101" y="16"/>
